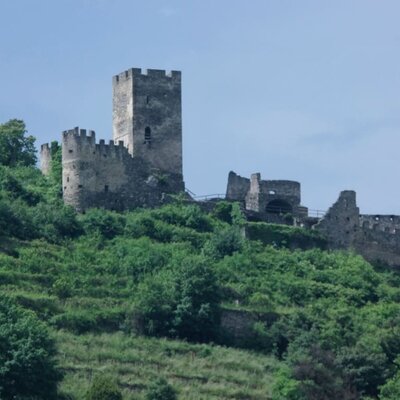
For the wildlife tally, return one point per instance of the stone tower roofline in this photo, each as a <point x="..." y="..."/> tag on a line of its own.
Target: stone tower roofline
<point x="85" y="140"/>
<point x="156" y="73"/>
<point x="44" y="147"/>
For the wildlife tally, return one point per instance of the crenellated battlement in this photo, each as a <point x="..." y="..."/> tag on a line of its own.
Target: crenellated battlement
<point x="382" y="223"/>
<point x="152" y="73"/>
<point x="80" y="133"/>
<point x="44" y="147"/>
<point x="81" y="141"/>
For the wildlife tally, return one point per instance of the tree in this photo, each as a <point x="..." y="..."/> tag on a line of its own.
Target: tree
<point x="197" y="313"/>
<point x="104" y="387"/>
<point x="391" y="389"/>
<point x="184" y="303"/>
<point x="16" y="149"/>
<point x="27" y="365"/>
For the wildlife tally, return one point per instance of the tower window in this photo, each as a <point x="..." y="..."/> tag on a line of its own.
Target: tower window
<point x="147" y="135"/>
<point x="147" y="99"/>
<point x="106" y="188"/>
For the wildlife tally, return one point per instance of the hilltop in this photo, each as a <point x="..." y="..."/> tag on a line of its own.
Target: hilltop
<point x="181" y="293"/>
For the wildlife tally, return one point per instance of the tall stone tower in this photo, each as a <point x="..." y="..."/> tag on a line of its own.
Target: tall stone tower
<point x="147" y="117"/>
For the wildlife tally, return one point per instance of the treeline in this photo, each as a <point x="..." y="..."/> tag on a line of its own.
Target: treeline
<point x="170" y="272"/>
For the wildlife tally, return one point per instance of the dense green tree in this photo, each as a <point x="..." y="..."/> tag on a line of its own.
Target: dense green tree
<point x="197" y="312"/>
<point x="391" y="389"/>
<point x="15" y="147"/>
<point x="27" y="366"/>
<point x="155" y="301"/>
<point x="182" y="304"/>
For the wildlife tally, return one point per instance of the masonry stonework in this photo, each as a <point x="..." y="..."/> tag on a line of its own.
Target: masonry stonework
<point x="143" y="162"/>
<point x="270" y="199"/>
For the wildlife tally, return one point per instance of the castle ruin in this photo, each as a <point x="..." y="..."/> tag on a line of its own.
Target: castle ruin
<point x="375" y="237"/>
<point x="143" y="162"/>
<point x="142" y="165"/>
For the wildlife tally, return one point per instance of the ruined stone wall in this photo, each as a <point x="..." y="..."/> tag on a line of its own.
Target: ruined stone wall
<point x="384" y="223"/>
<point x="375" y="237"/>
<point x="106" y="175"/>
<point x="378" y="246"/>
<point x="255" y="200"/>
<point x="283" y="190"/>
<point x="237" y="187"/>
<point x="341" y="223"/>
<point x="266" y="197"/>
<point x="45" y="159"/>
<point x="147" y="116"/>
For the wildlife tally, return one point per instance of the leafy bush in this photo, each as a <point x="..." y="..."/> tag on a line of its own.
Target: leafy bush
<point x="103" y="222"/>
<point x="285" y="236"/>
<point x="103" y="387"/>
<point x="161" y="390"/>
<point x="27" y="364"/>
<point x="183" y="304"/>
<point x="224" y="243"/>
<point x="391" y="389"/>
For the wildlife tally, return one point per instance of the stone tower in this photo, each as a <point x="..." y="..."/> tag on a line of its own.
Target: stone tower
<point x="142" y="164"/>
<point x="147" y="117"/>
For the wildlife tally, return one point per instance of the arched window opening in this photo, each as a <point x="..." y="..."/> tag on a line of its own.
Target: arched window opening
<point x="279" y="207"/>
<point x="147" y="135"/>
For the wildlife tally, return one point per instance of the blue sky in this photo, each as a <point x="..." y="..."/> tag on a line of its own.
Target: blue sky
<point x="307" y="90"/>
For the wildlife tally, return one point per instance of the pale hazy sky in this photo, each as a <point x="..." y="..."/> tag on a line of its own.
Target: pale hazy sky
<point x="307" y="90"/>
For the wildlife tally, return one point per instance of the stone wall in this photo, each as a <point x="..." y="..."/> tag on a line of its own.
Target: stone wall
<point x="237" y="187"/>
<point x="340" y="224"/>
<point x="106" y="175"/>
<point x="375" y="237"/>
<point x="384" y="223"/>
<point x="266" y="197"/>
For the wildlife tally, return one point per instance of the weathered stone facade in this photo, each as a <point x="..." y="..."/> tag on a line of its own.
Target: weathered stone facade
<point x="143" y="162"/>
<point x="375" y="237"/>
<point x="270" y="199"/>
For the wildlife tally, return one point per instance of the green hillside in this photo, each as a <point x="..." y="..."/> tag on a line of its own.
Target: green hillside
<point x="139" y="296"/>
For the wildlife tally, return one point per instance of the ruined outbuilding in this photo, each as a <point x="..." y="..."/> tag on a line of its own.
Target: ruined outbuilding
<point x="268" y="200"/>
<point x="376" y="237"/>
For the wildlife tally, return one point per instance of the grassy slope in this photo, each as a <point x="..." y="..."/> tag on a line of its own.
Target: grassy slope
<point x="83" y="288"/>
<point x="197" y="371"/>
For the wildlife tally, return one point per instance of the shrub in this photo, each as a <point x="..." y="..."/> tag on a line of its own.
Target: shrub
<point x="223" y="211"/>
<point x="104" y="387"/>
<point x="183" y="304"/>
<point x="27" y="364"/>
<point x="161" y="390"/>
<point x="224" y="243"/>
<point x="107" y="223"/>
